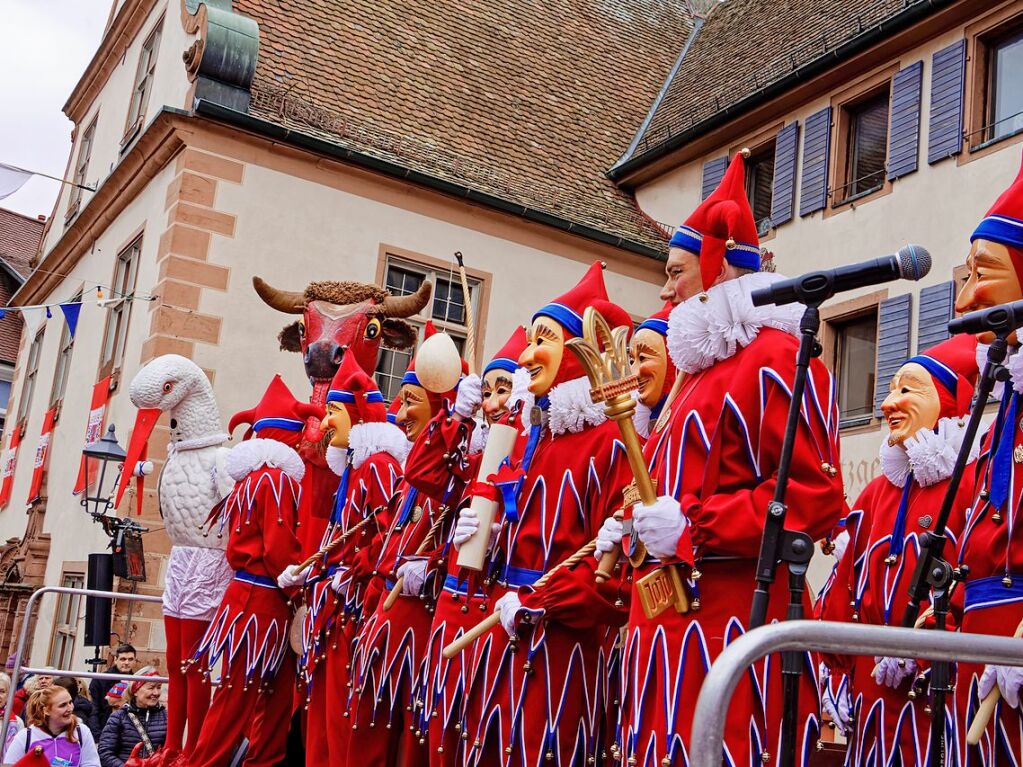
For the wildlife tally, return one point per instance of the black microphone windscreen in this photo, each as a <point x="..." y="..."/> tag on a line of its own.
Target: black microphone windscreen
<point x="914" y="262"/>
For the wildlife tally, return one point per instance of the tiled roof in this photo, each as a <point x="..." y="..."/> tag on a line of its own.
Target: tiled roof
<point x="19" y="239"/>
<point x="524" y="100"/>
<point x="745" y="46"/>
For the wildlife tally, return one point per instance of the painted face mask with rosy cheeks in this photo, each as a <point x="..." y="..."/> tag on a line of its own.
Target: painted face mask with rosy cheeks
<point x="649" y="357"/>
<point x="497" y="388"/>
<point x="992" y="281"/>
<point x="338" y="424"/>
<point x="542" y="357"/>
<point x="912" y="403"/>
<point x="415" y="412"/>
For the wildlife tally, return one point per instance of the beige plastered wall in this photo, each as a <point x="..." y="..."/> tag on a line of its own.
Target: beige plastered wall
<point x="290" y="218"/>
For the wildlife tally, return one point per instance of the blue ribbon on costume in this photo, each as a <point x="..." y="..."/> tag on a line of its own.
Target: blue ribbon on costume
<point x="509" y="490"/>
<point x="510" y="495"/>
<point x="341" y="496"/>
<point x="898" y="539"/>
<point x="655" y="411"/>
<point x="406" y="510"/>
<point x="1001" y="461"/>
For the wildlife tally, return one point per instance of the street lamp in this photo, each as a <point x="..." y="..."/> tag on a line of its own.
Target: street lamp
<point x="98" y="457"/>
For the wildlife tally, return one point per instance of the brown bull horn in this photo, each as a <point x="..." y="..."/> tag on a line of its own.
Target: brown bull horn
<point x="287" y="301"/>
<point x="406" y="306"/>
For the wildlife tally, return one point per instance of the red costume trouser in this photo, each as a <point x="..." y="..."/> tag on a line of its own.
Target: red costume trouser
<point x="239" y="710"/>
<point x="327" y="732"/>
<point x="188" y="698"/>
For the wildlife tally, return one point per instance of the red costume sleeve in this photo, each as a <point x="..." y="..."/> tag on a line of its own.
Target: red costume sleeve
<point x="728" y="518"/>
<point x="281" y="547"/>
<point x="430" y="464"/>
<point x="574" y="598"/>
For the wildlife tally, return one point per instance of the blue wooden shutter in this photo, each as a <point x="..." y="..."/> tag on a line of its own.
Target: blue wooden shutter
<point x="713" y="172"/>
<point x="892" y="342"/>
<point x="904" y="134"/>
<point x="936" y="304"/>
<point x="783" y="195"/>
<point x="816" y="143"/>
<point x="945" y="133"/>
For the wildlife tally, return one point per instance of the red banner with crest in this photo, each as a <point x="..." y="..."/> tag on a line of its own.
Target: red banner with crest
<point x="94" y="429"/>
<point x="10" y="458"/>
<point x="42" y="451"/>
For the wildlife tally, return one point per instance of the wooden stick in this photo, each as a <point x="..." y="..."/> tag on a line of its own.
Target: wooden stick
<point x="492" y="620"/>
<point x="395" y="592"/>
<point x="335" y="542"/>
<point x="987" y="707"/>
<point x="470" y="325"/>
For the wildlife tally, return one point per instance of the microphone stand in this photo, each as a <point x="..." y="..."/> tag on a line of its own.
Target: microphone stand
<point x="780" y="545"/>
<point x="933" y="573"/>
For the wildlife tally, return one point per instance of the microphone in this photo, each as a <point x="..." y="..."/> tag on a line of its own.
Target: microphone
<point x="1000" y="320"/>
<point x="813" y="288"/>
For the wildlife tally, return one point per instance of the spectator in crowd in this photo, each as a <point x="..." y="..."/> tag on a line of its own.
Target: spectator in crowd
<point x="141" y="719"/>
<point x="16" y="724"/>
<point x="115" y="696"/>
<point x="53" y="726"/>
<point x="124" y="663"/>
<point x="32" y="683"/>
<point x="84" y="709"/>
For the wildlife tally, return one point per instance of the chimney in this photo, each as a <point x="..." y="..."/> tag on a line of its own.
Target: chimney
<point x="41" y="217"/>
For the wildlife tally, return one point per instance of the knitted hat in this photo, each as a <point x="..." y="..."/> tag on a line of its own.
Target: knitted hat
<point x="507" y="357"/>
<point x="117" y="690"/>
<point x="953" y="368"/>
<point x="356" y="392"/>
<point x="1004" y="223"/>
<point x="278" y="415"/>
<point x="136" y="684"/>
<point x="722" y="228"/>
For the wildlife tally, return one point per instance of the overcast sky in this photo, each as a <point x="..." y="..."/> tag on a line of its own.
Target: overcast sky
<point x="45" y="46"/>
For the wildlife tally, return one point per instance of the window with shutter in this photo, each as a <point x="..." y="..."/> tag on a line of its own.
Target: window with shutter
<point x="760" y="185"/>
<point x="813" y="195"/>
<point x="893" y="317"/>
<point x="783" y="197"/>
<point x="713" y="172"/>
<point x="1001" y="92"/>
<point x="865" y="143"/>
<point x="936" y="307"/>
<point x="855" y="349"/>
<point x="945" y="128"/>
<point x="904" y="139"/>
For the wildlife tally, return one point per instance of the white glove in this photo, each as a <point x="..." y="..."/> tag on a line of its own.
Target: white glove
<point x="339" y="581"/>
<point x="469" y="397"/>
<point x="289" y="578"/>
<point x="413" y="574"/>
<point x="836" y="704"/>
<point x="509" y="606"/>
<point x="1008" y="678"/>
<point x="520" y="390"/>
<point x="840" y="541"/>
<point x="892" y="671"/>
<point x="660" y="525"/>
<point x="466" y="526"/>
<point x="610" y="535"/>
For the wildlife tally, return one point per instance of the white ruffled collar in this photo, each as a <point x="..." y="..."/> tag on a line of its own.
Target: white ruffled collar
<point x="365" y="440"/>
<point x="1013" y="363"/>
<point x="712" y="326"/>
<point x="197" y="443"/>
<point x="570" y="410"/>
<point x="641" y="419"/>
<point x="254" y="453"/>
<point x="930" y="455"/>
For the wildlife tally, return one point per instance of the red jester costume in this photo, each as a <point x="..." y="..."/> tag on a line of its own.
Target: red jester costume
<point x="992" y="542"/>
<point x="453" y="450"/>
<point x="713" y="455"/>
<point x="249" y="632"/>
<point x="541" y="698"/>
<point x="925" y="411"/>
<point x="366" y="452"/>
<point x="387" y="654"/>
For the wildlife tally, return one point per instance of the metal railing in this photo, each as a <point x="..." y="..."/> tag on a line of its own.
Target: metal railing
<point x="18" y="670"/>
<point x="823" y="636"/>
